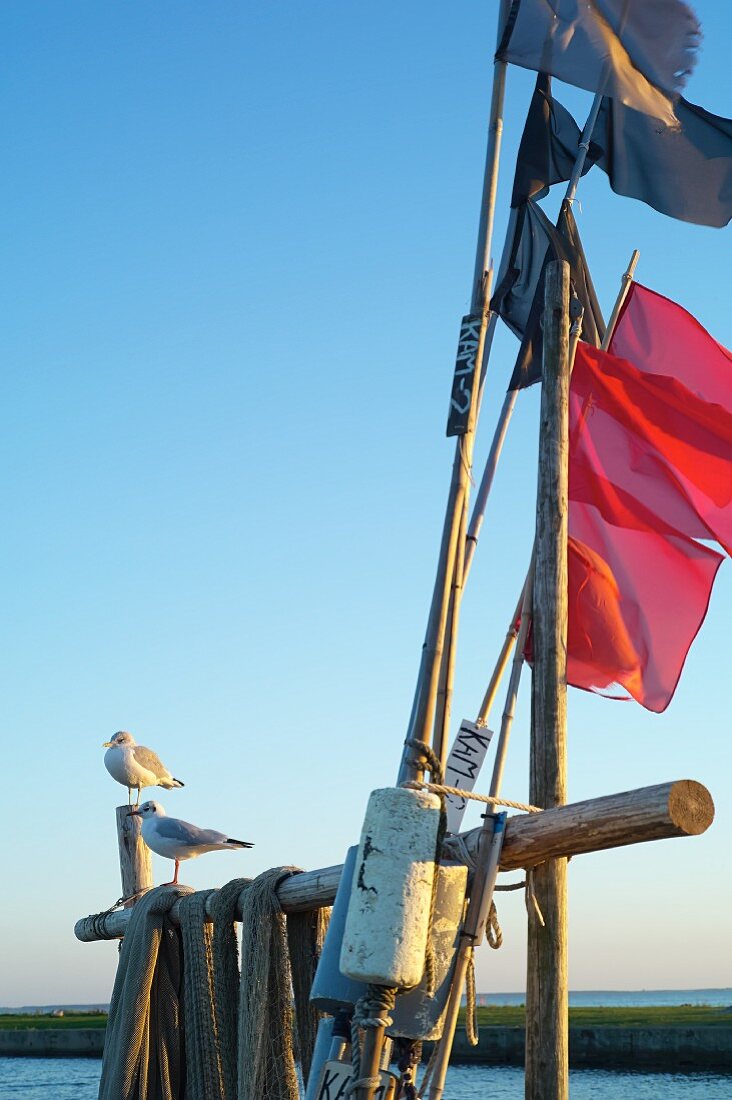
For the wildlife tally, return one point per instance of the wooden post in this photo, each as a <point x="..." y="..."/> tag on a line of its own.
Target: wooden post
<point x="135" y="860"/>
<point x="547" y="1020"/>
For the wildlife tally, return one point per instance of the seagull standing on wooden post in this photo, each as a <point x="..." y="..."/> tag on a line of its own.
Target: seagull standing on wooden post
<point x="135" y="766"/>
<point x="178" y="840"/>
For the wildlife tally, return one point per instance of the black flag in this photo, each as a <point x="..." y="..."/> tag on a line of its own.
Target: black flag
<point x="638" y="53"/>
<point x="549" y="146"/>
<point x="519" y="297"/>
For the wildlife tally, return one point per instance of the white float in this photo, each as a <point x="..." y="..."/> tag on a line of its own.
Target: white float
<point x="387" y="924"/>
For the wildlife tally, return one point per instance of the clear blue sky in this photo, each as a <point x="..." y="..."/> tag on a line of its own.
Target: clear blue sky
<point x="237" y="242"/>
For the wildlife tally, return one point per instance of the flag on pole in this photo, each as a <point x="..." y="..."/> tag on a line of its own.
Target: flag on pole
<point x="549" y="146"/>
<point x="639" y="53"/>
<point x="650" y="477"/>
<point x="685" y="172"/>
<point x="532" y="242"/>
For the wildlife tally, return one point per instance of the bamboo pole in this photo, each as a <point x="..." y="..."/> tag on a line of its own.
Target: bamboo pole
<point x="509" y="709"/>
<point x="661" y="812"/>
<point x="486" y="481"/>
<point x="547" y="995"/>
<point x="501" y="664"/>
<point x="423" y="708"/>
<point x="583" y="149"/>
<point x="135" y="859"/>
<point x="447" y="665"/>
<point x="625" y="282"/>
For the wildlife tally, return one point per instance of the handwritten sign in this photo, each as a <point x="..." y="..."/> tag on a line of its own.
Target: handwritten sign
<point x="337" y="1076"/>
<point x="462" y="382"/>
<point x="463" y="767"/>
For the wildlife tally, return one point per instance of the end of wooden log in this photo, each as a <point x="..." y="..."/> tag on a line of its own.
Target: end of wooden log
<point x="667" y="810"/>
<point x="690" y="807"/>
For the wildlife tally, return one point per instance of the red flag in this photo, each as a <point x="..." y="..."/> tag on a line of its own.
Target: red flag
<point x="650" y="474"/>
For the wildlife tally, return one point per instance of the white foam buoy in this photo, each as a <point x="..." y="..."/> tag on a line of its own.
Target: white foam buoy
<point x="387" y="924"/>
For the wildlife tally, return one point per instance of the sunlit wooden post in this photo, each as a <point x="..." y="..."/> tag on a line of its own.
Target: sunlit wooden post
<point x="135" y="860"/>
<point x="547" y="1024"/>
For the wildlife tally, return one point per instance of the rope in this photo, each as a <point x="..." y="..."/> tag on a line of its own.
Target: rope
<point x="143" y="1055"/>
<point x="305" y="936"/>
<point x="430" y="1069"/>
<point x="204" y="1073"/>
<point x="489" y="800"/>
<point x="265" y="1029"/>
<point x="225" y="949"/>
<point x="372" y="1010"/>
<point x="493" y="933"/>
<point x="430" y="758"/>
<point x="471" y="1012"/>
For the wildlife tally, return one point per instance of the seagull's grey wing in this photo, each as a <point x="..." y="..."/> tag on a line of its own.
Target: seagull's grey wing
<point x="146" y="758"/>
<point x="183" y="832"/>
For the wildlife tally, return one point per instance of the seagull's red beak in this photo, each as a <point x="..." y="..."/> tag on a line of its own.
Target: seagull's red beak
<point x="134" y="813"/>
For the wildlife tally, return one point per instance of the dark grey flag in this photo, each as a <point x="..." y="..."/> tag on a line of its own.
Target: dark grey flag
<point x="637" y="51"/>
<point x="519" y="296"/>
<point x="685" y="173"/>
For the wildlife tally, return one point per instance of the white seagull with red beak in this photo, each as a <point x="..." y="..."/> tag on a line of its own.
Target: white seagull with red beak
<point x="175" y="839"/>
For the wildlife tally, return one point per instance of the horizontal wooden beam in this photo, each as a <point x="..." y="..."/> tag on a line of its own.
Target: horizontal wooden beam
<point x="667" y="810"/>
<point x="681" y="808"/>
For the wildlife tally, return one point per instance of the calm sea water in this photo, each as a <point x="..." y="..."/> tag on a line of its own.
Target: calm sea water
<point x="591" y="998"/>
<point x="78" y="1079"/>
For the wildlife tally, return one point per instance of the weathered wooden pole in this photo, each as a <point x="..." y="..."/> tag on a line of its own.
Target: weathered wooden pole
<point x="547" y="1018"/>
<point x="662" y="812"/>
<point x="135" y="860"/>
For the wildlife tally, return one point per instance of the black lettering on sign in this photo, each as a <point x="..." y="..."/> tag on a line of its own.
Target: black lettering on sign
<point x="473" y="767"/>
<point x="336" y="1078"/>
<point x="464" y="762"/>
<point x="472" y="740"/>
<point x="462" y="382"/>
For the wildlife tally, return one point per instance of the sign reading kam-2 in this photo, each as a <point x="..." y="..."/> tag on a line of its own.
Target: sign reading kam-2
<point x="463" y="767"/>
<point x="462" y="382"/>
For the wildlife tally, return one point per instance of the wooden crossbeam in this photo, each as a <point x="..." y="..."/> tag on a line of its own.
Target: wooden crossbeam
<point x="680" y="808"/>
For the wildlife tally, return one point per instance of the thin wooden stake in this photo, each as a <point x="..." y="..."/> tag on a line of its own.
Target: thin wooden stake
<point x="135" y="860"/>
<point x="547" y="1018"/>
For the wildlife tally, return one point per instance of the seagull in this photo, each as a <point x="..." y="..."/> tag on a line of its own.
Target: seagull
<point x="179" y="840"/>
<point x="133" y="765"/>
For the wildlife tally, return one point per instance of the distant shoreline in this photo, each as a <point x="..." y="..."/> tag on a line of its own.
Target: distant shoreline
<point x="709" y="995"/>
<point x="682" y="1038"/>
